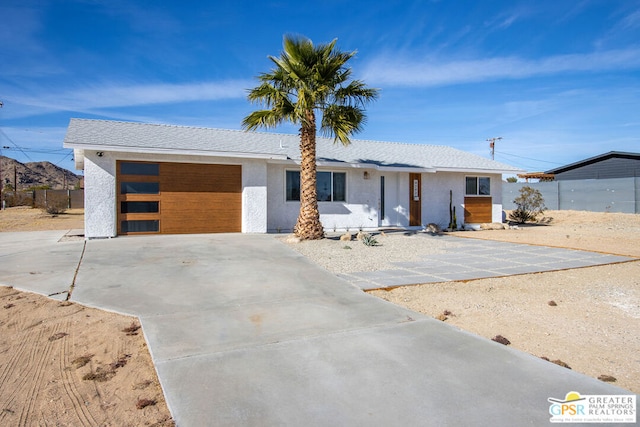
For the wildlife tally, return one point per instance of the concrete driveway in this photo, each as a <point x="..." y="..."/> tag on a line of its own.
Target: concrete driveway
<point x="245" y="331"/>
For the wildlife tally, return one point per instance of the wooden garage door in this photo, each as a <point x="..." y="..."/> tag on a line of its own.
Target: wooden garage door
<point x="477" y="210"/>
<point x="173" y="198"/>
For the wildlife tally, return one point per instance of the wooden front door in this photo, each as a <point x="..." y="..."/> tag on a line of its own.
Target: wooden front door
<point x="415" y="199"/>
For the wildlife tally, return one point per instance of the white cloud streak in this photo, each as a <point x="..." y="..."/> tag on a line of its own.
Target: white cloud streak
<point x="92" y="98"/>
<point x="429" y="72"/>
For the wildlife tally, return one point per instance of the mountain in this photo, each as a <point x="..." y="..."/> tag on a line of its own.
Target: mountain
<point x="35" y="174"/>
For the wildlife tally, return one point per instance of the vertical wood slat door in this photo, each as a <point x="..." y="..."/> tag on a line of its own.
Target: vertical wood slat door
<point x="192" y="198"/>
<point x="478" y="210"/>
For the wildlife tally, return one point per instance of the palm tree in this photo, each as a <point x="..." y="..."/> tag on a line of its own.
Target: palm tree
<point x="308" y="79"/>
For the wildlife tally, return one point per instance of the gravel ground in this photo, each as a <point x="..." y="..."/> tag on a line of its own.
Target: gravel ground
<point x="348" y="257"/>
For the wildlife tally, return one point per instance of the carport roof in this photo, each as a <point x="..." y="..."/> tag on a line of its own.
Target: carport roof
<point x="104" y="135"/>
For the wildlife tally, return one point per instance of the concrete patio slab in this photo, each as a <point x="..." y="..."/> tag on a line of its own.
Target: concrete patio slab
<point x="470" y="259"/>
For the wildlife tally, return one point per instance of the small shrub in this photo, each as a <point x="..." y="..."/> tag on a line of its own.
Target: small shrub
<point x="56" y="207"/>
<point x="530" y="204"/>
<point x="369" y="240"/>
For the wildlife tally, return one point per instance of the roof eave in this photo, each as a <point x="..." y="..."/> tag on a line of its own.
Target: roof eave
<point x="171" y="151"/>
<point x="479" y="170"/>
<point x="357" y="165"/>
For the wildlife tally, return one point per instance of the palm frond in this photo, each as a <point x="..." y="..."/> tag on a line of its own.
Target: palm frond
<point x="342" y="121"/>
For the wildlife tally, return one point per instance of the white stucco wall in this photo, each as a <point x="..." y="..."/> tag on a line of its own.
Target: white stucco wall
<point x="362" y="209"/>
<point x="254" y="196"/>
<point x="435" y="197"/>
<point x="101" y="196"/>
<point x="496" y="195"/>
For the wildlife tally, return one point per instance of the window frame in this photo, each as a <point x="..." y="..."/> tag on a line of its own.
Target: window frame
<point x="331" y="186"/>
<point x="478" y="186"/>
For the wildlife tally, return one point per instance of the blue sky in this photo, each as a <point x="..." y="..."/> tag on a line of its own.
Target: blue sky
<point x="559" y="81"/>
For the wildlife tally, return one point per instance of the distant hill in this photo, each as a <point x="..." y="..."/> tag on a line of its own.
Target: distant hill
<point x="35" y="174"/>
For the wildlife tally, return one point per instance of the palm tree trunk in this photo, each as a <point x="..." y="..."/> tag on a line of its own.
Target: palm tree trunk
<point x="308" y="226"/>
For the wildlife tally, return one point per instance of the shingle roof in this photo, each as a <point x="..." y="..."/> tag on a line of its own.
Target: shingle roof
<point x="141" y="137"/>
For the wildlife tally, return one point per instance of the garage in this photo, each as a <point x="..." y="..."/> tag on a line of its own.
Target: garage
<point x="178" y="198"/>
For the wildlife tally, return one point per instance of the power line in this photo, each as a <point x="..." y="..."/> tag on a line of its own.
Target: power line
<point x="59" y="151"/>
<point x="529" y="158"/>
<point x="16" y="145"/>
<point x="62" y="159"/>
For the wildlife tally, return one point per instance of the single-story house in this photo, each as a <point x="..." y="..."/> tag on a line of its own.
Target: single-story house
<point x="152" y="178"/>
<point x="614" y="164"/>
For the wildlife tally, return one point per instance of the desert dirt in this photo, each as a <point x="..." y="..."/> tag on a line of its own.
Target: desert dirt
<point x="63" y="364"/>
<point x="595" y="325"/>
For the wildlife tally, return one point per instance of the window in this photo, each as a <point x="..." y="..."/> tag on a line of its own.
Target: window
<point x="140" y="226"/>
<point x="139" y="187"/>
<point x="478" y="186"/>
<point x="332" y="186"/>
<point x="139" y="207"/>
<point x="132" y="168"/>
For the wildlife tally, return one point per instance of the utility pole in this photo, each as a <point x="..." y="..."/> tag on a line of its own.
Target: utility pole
<point x="492" y="145"/>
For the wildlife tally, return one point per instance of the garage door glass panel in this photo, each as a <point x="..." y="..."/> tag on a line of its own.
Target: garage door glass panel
<point x="148" y="169"/>
<point x="140" y="226"/>
<point x="139" y="188"/>
<point x="139" y="207"/>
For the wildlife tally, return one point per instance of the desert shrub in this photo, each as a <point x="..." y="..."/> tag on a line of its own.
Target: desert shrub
<point x="369" y="240"/>
<point x="55" y="209"/>
<point x="530" y="204"/>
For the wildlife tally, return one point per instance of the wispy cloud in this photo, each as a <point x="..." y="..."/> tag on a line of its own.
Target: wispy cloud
<point x="93" y="98"/>
<point x="427" y="72"/>
<point x="630" y="21"/>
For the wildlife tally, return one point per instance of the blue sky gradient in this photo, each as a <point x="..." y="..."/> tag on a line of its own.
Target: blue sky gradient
<point x="559" y="81"/>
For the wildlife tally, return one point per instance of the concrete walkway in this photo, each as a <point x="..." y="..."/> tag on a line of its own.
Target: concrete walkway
<point x="245" y="331"/>
<point x="478" y="259"/>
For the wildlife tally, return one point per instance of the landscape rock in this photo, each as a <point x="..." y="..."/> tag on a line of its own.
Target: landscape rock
<point x="500" y="339"/>
<point x="607" y="378"/>
<point x="433" y="228"/>
<point x="346" y="237"/>
<point x="292" y="238"/>
<point x="493" y="226"/>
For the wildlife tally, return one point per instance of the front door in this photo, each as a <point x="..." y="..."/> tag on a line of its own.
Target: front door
<point x="415" y="194"/>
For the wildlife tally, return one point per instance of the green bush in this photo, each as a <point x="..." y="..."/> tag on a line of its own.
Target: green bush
<point x="369" y="240"/>
<point x="530" y="204"/>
